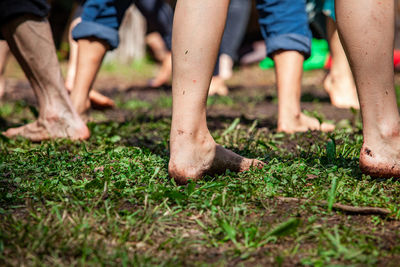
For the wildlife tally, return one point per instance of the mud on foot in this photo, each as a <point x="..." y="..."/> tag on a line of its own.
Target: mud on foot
<point x="50" y="129"/>
<point x="216" y="161"/>
<point x="380" y="163"/>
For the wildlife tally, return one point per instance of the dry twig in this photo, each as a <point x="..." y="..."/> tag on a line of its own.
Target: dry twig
<point x="341" y="207"/>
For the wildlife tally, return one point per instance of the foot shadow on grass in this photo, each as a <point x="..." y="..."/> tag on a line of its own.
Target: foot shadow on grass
<point x="141" y="130"/>
<point x="5" y="124"/>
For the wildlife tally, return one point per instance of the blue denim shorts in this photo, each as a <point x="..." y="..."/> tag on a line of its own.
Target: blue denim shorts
<point x="102" y="18"/>
<point x="284" y="26"/>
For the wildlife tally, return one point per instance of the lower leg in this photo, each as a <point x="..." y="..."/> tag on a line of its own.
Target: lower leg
<point x="366" y="29"/>
<point x="164" y="75"/>
<point x="198" y="28"/>
<point x="31" y="42"/>
<point x="96" y="99"/>
<point x="91" y="52"/>
<point x="161" y="53"/>
<point x="73" y="57"/>
<point x="289" y="69"/>
<point x="4" y="53"/>
<point x="339" y="83"/>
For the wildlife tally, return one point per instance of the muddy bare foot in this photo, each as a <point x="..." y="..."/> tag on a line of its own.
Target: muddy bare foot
<point x="51" y="128"/>
<point x="218" y="87"/>
<point x="303" y="123"/>
<point x="382" y="161"/>
<point x="342" y="91"/>
<point x="195" y="160"/>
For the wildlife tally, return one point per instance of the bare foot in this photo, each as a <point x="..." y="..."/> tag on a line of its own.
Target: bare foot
<point x="225" y="66"/>
<point x="303" y="123"/>
<point x="164" y="75"/>
<point x="100" y="101"/>
<point x="381" y="159"/>
<point x="193" y="160"/>
<point x="218" y="87"/>
<point x="342" y="91"/>
<point x="51" y="128"/>
<point x="97" y="100"/>
<point x="157" y="45"/>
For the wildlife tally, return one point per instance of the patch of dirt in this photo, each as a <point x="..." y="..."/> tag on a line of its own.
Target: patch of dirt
<point x="249" y="82"/>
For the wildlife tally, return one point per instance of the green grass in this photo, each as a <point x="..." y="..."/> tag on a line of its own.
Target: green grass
<point x="109" y="200"/>
<point x="137" y="70"/>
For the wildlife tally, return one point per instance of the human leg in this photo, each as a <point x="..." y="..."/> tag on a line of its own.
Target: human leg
<point x="95" y="34"/>
<point x="159" y="16"/>
<point x="366" y="28"/>
<point x="339" y="83"/>
<point x="289" y="69"/>
<point x="235" y="29"/>
<point x="31" y="42"/>
<point x="284" y="26"/>
<point x="198" y="27"/>
<point x="165" y="72"/>
<point x="163" y="55"/>
<point x="73" y="56"/>
<point x="91" y="52"/>
<point x="4" y="53"/>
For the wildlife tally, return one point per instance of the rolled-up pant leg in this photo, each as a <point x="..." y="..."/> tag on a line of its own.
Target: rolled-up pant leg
<point x="101" y="19"/>
<point x="284" y="26"/>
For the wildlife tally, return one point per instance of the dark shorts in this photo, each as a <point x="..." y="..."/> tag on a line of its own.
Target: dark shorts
<point x="10" y="9"/>
<point x="13" y="8"/>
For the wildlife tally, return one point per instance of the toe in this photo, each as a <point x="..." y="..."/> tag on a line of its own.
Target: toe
<point x="327" y="127"/>
<point x="258" y="164"/>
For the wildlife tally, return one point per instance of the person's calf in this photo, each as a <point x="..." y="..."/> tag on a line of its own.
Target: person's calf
<point x="91" y="52"/>
<point x="35" y="52"/>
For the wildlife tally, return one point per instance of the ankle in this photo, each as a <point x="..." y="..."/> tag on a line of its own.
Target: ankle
<point x="289" y="117"/>
<point x="388" y="131"/>
<point x="380" y="133"/>
<point x="185" y="138"/>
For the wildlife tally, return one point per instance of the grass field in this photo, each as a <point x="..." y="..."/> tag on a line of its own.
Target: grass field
<point x="109" y="200"/>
